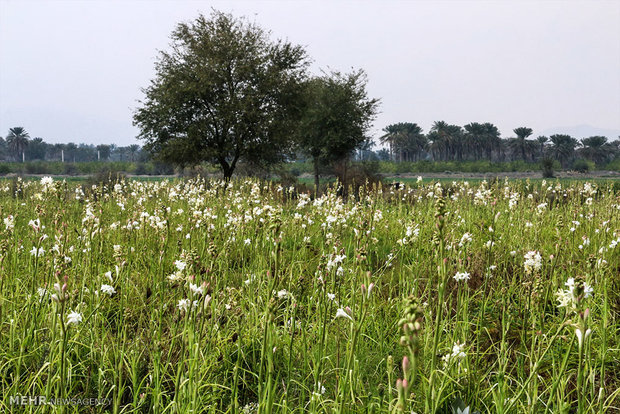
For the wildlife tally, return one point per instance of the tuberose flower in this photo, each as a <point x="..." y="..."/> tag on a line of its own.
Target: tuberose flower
<point x="341" y="313"/>
<point x="74" y="318"/>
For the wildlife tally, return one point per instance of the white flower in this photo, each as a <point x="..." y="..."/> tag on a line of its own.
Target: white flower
<point x="581" y="336"/>
<point x="466" y="238"/>
<point x="567" y="298"/>
<point x="341" y="313"/>
<point x="196" y="290"/>
<point x="180" y="265"/>
<point x="108" y="289"/>
<point x="457" y="350"/>
<point x="9" y="223"/>
<point x="283" y="294"/>
<point x="108" y="275"/>
<point x="74" y="318"/>
<point x="118" y="250"/>
<point x="37" y="253"/>
<point x="183" y="305"/>
<point x="461" y="276"/>
<point x="331" y="296"/>
<point x="47" y="181"/>
<point x="246" y="242"/>
<point x="533" y="262"/>
<point x="175" y="277"/>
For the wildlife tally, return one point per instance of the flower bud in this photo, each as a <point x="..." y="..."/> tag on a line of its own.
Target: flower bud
<point x="406" y="365"/>
<point x="399" y="385"/>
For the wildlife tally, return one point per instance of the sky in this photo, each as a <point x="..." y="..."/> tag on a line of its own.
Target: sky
<point x="72" y="71"/>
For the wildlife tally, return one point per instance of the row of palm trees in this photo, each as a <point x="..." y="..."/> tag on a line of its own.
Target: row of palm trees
<point x="482" y="141"/>
<point x="19" y="147"/>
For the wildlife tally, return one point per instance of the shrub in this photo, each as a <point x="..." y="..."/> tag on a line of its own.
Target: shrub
<point x="547" y="167"/>
<point x="582" y="166"/>
<point x="70" y="169"/>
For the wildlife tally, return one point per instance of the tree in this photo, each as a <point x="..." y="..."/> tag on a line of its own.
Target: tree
<point x="519" y="143"/>
<point x="17" y="141"/>
<point x="563" y="148"/>
<point x="405" y="139"/>
<point x="479" y="138"/>
<point x="104" y="151"/>
<point x="223" y="93"/>
<point x="542" y="140"/>
<point x="133" y="150"/>
<point x="336" y="116"/>
<point x="445" y="141"/>
<point x="594" y="149"/>
<point x="37" y="149"/>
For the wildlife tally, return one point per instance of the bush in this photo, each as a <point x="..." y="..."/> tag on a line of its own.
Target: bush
<point x="614" y="165"/>
<point x="141" y="169"/>
<point x="547" y="167"/>
<point x="357" y="174"/>
<point x="70" y="169"/>
<point x="582" y="166"/>
<point x="105" y="177"/>
<point x="4" y="169"/>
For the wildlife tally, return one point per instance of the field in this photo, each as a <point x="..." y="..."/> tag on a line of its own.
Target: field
<point x="192" y="296"/>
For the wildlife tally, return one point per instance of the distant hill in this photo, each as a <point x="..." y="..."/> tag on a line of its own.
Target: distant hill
<point x="583" y="131"/>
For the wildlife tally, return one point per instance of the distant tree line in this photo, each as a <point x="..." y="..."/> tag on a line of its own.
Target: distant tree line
<point x="18" y="146"/>
<point x="481" y="141"/>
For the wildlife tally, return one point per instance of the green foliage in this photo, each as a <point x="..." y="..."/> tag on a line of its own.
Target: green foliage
<point x="223" y="93"/>
<point x="337" y="113"/>
<point x="547" y="166"/>
<point x="583" y="166"/>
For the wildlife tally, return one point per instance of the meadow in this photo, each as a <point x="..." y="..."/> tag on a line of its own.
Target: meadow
<point x="192" y="296"/>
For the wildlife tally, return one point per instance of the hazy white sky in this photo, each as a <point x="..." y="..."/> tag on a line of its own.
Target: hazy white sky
<point x="72" y="70"/>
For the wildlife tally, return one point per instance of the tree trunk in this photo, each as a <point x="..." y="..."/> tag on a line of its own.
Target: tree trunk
<point x="316" y="176"/>
<point x="344" y="179"/>
<point x="226" y="170"/>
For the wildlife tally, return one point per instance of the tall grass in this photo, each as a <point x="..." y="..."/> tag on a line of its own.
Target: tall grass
<point x="202" y="296"/>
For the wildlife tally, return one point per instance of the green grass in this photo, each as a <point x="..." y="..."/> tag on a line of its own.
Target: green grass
<point x="186" y="296"/>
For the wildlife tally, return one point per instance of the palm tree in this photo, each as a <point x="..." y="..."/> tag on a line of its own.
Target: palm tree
<point x="405" y="139"/>
<point x="475" y="138"/>
<point x="491" y="139"/>
<point x="133" y="151"/>
<point x="17" y="141"/>
<point x="542" y="140"/>
<point x="446" y="140"/>
<point x="594" y="149"/>
<point x="563" y="148"/>
<point x="519" y="142"/>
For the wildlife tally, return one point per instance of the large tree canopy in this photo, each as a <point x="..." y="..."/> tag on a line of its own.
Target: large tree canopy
<point x="223" y="93"/>
<point x="337" y="114"/>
